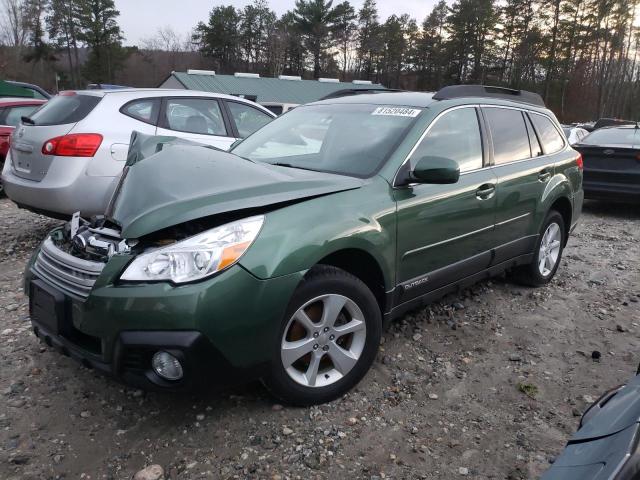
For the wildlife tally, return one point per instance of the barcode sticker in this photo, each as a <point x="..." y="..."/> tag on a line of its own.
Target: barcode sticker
<point x="396" y="111"/>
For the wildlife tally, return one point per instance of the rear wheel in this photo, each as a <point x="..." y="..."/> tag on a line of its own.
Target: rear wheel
<point x="547" y="253"/>
<point x="328" y="338"/>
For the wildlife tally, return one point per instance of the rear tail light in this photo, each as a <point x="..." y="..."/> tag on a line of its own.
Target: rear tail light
<point x="580" y="162"/>
<point x="74" y="145"/>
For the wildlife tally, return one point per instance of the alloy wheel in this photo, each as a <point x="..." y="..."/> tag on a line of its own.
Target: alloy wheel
<point x="323" y="340"/>
<point x="549" y="249"/>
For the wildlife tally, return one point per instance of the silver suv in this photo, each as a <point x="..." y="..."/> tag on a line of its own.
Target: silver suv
<point x="68" y="155"/>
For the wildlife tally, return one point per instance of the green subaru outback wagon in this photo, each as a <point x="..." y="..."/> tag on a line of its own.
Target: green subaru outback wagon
<point x="284" y="259"/>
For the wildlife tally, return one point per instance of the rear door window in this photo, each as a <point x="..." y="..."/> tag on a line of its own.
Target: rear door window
<point x="455" y="135"/>
<point x="549" y="136"/>
<point x="509" y="135"/>
<point x="195" y="115"/>
<point x="145" y="110"/>
<point x="66" y="108"/>
<point x="247" y="118"/>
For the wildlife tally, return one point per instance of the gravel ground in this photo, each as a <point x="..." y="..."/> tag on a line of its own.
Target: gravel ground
<point x="485" y="384"/>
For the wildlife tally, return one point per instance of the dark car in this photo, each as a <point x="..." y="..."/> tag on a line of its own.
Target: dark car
<point x="26" y="90"/>
<point x="611" y="122"/>
<point x="606" y="446"/>
<point x="611" y="159"/>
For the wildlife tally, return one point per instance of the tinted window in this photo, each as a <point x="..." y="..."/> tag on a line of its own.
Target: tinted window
<point x="195" y="115"/>
<point x="247" y="118"/>
<point x="348" y="139"/>
<point x="626" y="137"/>
<point x="536" y="149"/>
<point x="509" y="135"/>
<point x="145" y="110"/>
<point x="549" y="136"/>
<point x="455" y="135"/>
<point x="63" y="109"/>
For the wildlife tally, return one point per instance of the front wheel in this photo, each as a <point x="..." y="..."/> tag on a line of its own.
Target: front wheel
<point x="328" y="338"/>
<point x="547" y="253"/>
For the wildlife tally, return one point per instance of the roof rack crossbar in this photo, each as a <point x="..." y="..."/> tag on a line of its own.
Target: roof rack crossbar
<point x="460" y="91"/>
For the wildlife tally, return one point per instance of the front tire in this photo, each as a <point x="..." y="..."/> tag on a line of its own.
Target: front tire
<point x="327" y="339"/>
<point x="547" y="253"/>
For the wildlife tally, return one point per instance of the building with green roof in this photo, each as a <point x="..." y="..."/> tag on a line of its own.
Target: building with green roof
<point x="278" y="94"/>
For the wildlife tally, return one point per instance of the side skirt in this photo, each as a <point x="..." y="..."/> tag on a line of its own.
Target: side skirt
<point x="465" y="282"/>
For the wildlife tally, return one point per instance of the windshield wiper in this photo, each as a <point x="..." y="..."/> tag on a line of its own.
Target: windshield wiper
<point x="289" y="165"/>
<point x="27" y="120"/>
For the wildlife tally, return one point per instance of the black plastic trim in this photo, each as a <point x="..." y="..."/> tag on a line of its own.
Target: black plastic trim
<point x="462" y="91"/>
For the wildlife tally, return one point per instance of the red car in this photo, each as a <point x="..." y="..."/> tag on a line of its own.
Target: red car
<point x="11" y="110"/>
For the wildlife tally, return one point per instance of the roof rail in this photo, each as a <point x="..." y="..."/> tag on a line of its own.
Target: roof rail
<point x="461" y="91"/>
<point x="357" y="91"/>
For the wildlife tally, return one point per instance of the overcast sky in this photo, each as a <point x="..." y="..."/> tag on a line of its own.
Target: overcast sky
<point x="141" y="18"/>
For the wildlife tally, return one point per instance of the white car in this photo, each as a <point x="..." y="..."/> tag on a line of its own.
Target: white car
<point x="574" y="134"/>
<point x="68" y="155"/>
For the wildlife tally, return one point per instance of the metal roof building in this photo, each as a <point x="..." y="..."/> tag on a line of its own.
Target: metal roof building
<point x="264" y="90"/>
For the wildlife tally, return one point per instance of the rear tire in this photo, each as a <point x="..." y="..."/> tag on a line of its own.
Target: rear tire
<point x="327" y="339"/>
<point x="547" y="253"/>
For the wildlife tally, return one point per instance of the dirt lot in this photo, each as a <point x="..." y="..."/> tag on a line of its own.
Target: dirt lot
<point x="487" y="384"/>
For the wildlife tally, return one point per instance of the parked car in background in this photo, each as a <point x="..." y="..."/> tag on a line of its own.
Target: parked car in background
<point x="611" y="157"/>
<point x="282" y="259"/>
<point x="28" y="90"/>
<point x="611" y="122"/>
<point x="67" y="156"/>
<point x="11" y="110"/>
<point x="574" y="134"/>
<point x="606" y="445"/>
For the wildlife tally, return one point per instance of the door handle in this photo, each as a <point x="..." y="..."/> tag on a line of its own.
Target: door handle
<point x="485" y="191"/>
<point x="544" y="175"/>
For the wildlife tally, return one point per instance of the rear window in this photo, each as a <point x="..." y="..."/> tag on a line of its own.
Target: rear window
<point x="549" y="136"/>
<point x="624" y="137"/>
<point x="63" y="109"/>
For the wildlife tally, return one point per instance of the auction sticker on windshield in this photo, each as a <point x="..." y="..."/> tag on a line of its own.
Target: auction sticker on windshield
<point x="396" y="111"/>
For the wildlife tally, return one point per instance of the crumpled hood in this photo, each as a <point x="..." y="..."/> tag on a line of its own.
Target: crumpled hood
<point x="169" y="181"/>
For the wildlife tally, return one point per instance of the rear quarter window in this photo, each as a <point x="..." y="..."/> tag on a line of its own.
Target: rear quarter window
<point x="64" y="109"/>
<point x="548" y="134"/>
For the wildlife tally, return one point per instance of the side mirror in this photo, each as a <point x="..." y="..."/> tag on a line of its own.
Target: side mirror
<point x="438" y="170"/>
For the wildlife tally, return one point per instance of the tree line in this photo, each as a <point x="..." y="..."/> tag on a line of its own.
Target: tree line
<point x="580" y="55"/>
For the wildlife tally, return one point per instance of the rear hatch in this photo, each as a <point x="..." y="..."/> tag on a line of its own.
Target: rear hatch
<point x="614" y="159"/>
<point x="54" y="119"/>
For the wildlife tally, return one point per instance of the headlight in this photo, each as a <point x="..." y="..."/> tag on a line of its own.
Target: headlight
<point x="196" y="257"/>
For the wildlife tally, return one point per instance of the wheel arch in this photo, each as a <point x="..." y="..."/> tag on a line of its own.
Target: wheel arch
<point x="563" y="206"/>
<point x="362" y="265"/>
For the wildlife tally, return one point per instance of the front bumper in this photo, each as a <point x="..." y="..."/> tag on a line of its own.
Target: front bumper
<point x="221" y="329"/>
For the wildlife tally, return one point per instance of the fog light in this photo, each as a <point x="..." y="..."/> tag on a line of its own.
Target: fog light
<point x="167" y="366"/>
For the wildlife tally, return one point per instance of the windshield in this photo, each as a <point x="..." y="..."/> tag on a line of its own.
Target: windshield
<point x="623" y="137"/>
<point x="348" y="139"/>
